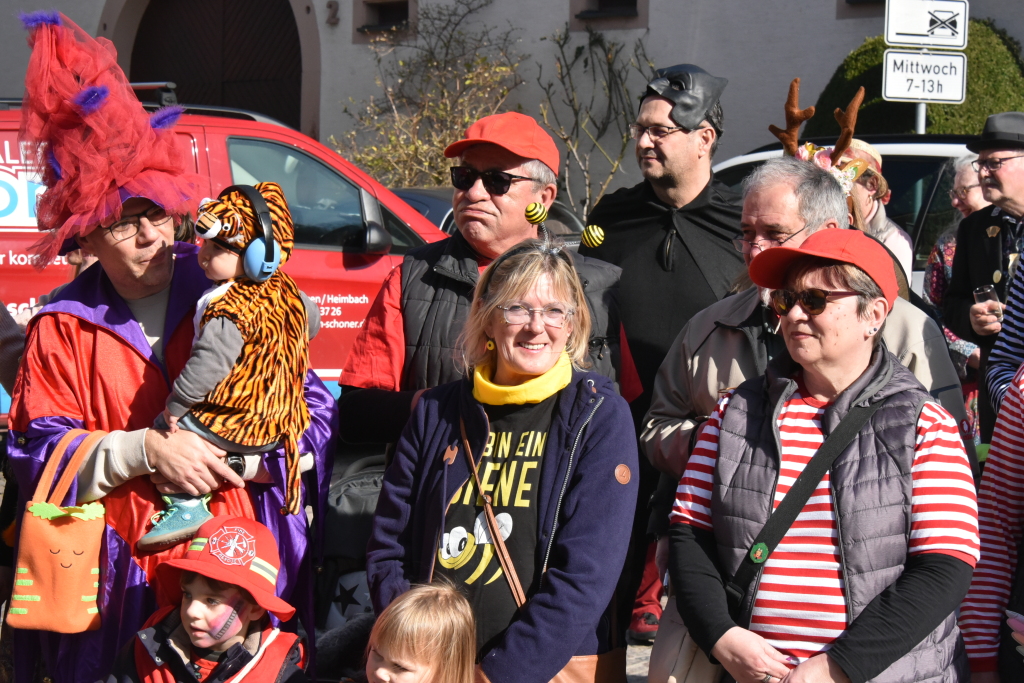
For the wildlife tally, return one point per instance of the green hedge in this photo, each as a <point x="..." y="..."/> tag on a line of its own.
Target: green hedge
<point x="995" y="83"/>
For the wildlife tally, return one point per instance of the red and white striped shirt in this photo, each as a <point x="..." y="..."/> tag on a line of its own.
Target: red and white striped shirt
<point x="800" y="607"/>
<point x="1000" y="515"/>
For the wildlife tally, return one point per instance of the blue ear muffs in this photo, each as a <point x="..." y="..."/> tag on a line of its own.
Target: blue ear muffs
<point x="258" y="261"/>
<point x="258" y="267"/>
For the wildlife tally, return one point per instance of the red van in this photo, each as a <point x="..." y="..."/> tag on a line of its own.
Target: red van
<point x="350" y="231"/>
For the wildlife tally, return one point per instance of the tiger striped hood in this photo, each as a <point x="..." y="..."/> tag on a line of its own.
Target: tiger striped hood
<point x="231" y="220"/>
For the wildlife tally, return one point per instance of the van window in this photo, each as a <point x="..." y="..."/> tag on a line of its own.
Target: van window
<point x="916" y="199"/>
<point x="324" y="205"/>
<point x="940" y="219"/>
<point x="402" y="236"/>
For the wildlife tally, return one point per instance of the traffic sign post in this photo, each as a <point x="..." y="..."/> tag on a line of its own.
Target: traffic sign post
<point x="911" y="76"/>
<point x="939" y="24"/>
<point x="922" y="76"/>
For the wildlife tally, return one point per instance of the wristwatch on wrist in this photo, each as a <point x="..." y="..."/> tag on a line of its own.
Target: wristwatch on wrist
<point x="237" y="463"/>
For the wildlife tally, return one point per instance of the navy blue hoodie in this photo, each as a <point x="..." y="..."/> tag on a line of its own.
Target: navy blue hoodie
<point x="585" y="513"/>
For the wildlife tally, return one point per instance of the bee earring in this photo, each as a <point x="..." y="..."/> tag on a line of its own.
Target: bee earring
<point x="490" y="345"/>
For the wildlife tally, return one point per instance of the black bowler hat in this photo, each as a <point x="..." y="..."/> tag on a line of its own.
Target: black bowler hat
<point x="1002" y="131"/>
<point x="691" y="89"/>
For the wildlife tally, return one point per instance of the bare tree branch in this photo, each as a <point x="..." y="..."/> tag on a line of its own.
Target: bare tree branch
<point x="588" y="106"/>
<point x="437" y="77"/>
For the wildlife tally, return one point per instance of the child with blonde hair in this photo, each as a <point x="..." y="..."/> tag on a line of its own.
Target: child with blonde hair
<point x="427" y="635"/>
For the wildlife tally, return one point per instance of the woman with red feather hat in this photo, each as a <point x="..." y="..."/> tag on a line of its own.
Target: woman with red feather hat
<point x="103" y="353"/>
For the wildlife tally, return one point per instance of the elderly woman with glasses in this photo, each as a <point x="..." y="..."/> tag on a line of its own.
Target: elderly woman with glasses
<point x="858" y="576"/>
<point x="966" y="197"/>
<point x="517" y="483"/>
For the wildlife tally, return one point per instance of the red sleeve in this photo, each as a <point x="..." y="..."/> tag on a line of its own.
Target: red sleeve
<point x="378" y="355"/>
<point x="630" y="385"/>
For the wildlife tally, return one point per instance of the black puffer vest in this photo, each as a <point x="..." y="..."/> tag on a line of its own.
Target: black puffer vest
<point x="871" y="494"/>
<point x="437" y="289"/>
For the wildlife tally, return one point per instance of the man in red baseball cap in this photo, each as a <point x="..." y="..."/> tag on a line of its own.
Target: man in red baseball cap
<point x="504" y="163"/>
<point x="228" y="579"/>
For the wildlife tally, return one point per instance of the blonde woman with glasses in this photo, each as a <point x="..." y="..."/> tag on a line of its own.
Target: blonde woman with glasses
<point x="551" y="448"/>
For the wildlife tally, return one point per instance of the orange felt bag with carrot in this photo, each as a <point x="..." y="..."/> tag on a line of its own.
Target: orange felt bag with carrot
<point x="57" y="575"/>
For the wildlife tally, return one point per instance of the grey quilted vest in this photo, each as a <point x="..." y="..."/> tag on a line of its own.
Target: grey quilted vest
<point x="871" y="491"/>
<point x="437" y="289"/>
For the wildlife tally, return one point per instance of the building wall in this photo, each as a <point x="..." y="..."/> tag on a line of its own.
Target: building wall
<point x="758" y="46"/>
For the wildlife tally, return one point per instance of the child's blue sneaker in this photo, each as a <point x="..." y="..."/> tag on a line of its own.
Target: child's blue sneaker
<point x="178" y="522"/>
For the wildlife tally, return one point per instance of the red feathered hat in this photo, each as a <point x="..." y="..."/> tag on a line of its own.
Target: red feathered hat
<point x="90" y="138"/>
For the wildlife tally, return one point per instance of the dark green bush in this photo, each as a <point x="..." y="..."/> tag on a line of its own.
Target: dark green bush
<point x="995" y="83"/>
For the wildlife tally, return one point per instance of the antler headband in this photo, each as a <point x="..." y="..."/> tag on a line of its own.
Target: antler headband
<point x="795" y="117"/>
<point x="823" y="157"/>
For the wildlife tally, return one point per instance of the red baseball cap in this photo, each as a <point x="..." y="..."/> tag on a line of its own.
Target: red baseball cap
<point x="239" y="551"/>
<point x="771" y="267"/>
<point x="518" y="133"/>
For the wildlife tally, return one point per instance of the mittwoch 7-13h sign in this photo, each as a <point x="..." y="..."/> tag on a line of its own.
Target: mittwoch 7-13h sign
<point x="912" y="76"/>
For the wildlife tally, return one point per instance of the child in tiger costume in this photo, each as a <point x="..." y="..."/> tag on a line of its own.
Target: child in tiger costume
<point x="242" y="388"/>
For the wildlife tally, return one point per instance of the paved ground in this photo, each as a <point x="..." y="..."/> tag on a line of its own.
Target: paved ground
<point x="636" y="663"/>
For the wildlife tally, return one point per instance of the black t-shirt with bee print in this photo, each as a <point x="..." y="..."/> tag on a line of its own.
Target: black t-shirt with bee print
<point x="509" y="471"/>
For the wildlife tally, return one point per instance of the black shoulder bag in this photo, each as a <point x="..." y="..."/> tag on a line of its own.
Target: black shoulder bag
<point x="783" y="517"/>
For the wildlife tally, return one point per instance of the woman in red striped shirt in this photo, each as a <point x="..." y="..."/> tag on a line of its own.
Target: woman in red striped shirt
<point x="864" y="584"/>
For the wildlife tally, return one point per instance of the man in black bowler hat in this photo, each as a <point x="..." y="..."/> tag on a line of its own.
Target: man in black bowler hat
<point x="988" y="246"/>
<point x="671" y="235"/>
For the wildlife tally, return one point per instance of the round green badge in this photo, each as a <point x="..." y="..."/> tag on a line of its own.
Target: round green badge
<point x="759" y="553"/>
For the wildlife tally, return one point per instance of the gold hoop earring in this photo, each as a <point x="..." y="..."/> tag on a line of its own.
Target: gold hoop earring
<point x="490" y="345"/>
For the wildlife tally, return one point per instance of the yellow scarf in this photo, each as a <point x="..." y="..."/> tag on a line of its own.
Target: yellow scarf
<point x="531" y="391"/>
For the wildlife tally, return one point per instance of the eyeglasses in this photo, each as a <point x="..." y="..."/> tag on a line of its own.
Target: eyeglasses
<point x="553" y="315"/>
<point x="636" y="131"/>
<point x="993" y="164"/>
<point x="495" y="182"/>
<point x="961" y="192"/>
<point x="743" y="246"/>
<point x="813" y="301"/>
<point x="128" y="227"/>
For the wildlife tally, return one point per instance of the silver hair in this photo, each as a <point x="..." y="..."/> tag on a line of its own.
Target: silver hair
<point x="821" y="197"/>
<point x="540" y="172"/>
<point x="959" y="164"/>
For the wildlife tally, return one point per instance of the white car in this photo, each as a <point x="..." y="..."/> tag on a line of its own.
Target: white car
<point x="915" y="167"/>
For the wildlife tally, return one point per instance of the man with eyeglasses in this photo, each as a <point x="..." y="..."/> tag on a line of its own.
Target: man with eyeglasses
<point x="988" y="246"/>
<point x="785" y="200"/>
<point x="670" y="235"/>
<point x="505" y="163"/>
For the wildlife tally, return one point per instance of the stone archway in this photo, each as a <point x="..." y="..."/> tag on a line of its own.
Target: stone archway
<point x="231" y="53"/>
<point x="262" y="55"/>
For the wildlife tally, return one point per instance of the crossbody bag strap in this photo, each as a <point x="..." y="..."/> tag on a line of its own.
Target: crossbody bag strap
<point x="783" y="517"/>
<point x="492" y="526"/>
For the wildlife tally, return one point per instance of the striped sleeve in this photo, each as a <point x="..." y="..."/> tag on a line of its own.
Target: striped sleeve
<point x="943" y="507"/>
<point x="1008" y="353"/>
<point x="693" y="495"/>
<point x="1000" y="515"/>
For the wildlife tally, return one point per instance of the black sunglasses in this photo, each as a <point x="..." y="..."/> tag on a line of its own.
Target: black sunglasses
<point x="495" y="182"/>
<point x="813" y="301"/>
